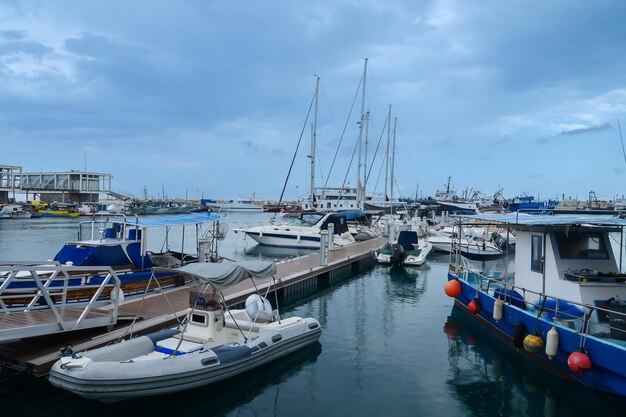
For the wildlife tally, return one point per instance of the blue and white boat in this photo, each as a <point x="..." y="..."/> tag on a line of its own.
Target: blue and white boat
<point x="562" y="305"/>
<point x="122" y="244"/>
<point x="527" y="204"/>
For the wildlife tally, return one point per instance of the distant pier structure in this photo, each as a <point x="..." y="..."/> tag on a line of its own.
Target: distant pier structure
<point x="68" y="187"/>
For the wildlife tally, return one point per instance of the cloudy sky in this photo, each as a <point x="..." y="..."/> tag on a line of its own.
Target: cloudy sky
<point x="210" y="97"/>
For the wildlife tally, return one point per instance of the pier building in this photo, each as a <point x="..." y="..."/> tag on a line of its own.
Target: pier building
<point x="9" y="182"/>
<point x="69" y="187"/>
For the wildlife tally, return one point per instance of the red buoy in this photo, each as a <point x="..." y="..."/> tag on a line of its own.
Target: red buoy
<point x="474" y="306"/>
<point x="453" y="288"/>
<point x="579" y="362"/>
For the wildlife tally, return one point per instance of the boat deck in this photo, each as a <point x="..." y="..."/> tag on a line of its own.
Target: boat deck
<point x="23" y="323"/>
<point x="160" y="310"/>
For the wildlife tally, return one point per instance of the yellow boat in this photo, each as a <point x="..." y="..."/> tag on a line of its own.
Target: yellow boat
<point x="60" y="210"/>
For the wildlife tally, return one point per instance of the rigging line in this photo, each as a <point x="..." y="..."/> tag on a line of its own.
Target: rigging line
<point x="380" y="171"/>
<point x="345" y="126"/>
<point x="372" y="77"/>
<point x="345" y="179"/>
<point x="294" y="154"/>
<point x="622" y="140"/>
<point x="367" y="177"/>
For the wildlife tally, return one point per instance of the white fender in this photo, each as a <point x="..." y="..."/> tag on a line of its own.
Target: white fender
<point x="117" y="294"/>
<point x="552" y="343"/>
<point x="498" y="309"/>
<point x="259" y="309"/>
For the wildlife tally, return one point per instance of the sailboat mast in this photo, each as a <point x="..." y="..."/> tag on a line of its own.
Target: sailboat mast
<point x="393" y="158"/>
<point x="314" y="141"/>
<point x="359" y="188"/>
<point x="367" y="131"/>
<point x="387" y="152"/>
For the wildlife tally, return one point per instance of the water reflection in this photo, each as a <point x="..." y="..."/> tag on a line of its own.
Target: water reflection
<point x="491" y="379"/>
<point x="406" y="284"/>
<point x="18" y="390"/>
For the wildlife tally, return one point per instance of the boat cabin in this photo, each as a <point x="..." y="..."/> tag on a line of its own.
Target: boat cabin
<point x="575" y="262"/>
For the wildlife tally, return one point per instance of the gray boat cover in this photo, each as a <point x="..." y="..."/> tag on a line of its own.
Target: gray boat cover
<point x="223" y="275"/>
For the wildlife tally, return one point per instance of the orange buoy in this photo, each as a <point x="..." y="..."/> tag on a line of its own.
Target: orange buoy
<point x="474" y="306"/>
<point x="453" y="288"/>
<point x="579" y="361"/>
<point x="533" y="343"/>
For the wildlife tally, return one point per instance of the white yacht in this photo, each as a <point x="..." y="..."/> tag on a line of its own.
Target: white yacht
<point x="303" y="232"/>
<point x="236" y="205"/>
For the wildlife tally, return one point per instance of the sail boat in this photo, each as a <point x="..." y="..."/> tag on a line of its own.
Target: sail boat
<point x="304" y="232"/>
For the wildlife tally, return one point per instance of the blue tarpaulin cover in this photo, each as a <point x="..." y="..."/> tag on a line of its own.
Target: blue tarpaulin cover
<point x="176" y="219"/>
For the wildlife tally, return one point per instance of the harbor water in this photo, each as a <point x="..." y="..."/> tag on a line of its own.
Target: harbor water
<point x="392" y="344"/>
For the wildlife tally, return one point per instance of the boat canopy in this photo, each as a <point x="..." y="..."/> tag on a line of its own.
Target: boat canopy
<point x="176" y="220"/>
<point x="549" y="219"/>
<point x="352" y="214"/>
<point x="223" y="275"/>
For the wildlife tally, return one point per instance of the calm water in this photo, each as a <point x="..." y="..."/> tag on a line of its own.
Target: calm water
<point x="392" y="344"/>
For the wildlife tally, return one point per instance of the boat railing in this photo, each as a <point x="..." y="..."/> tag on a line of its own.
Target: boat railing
<point x="39" y="298"/>
<point x="610" y="314"/>
<point x="99" y="224"/>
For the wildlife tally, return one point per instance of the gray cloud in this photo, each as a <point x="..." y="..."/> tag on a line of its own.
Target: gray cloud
<point x="27" y="47"/>
<point x="585" y="130"/>
<point x="13" y="34"/>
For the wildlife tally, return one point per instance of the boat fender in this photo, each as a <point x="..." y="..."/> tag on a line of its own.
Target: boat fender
<point x="552" y="343"/>
<point x="579" y="361"/>
<point x="453" y="288"/>
<point x="533" y="343"/>
<point x="519" y="332"/>
<point x="259" y="309"/>
<point x="498" y="309"/>
<point x="117" y="295"/>
<point x="474" y="306"/>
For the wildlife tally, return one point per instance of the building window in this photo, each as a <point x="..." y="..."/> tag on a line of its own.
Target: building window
<point x="536" y="254"/>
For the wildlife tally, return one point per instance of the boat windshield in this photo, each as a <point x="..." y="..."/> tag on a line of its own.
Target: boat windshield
<point x="307" y="219"/>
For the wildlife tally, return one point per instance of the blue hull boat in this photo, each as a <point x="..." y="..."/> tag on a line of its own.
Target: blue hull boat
<point x="563" y="305"/>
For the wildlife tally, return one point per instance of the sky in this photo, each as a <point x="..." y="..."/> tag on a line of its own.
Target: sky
<point x="210" y="98"/>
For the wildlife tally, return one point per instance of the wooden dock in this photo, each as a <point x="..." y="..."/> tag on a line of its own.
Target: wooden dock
<point x="295" y="278"/>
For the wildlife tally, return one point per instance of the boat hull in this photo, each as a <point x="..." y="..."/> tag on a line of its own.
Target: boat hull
<point x="117" y="381"/>
<point x="285" y="241"/>
<point x="608" y="373"/>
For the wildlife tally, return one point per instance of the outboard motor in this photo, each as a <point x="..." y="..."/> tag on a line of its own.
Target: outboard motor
<point x="397" y="254"/>
<point x="498" y="240"/>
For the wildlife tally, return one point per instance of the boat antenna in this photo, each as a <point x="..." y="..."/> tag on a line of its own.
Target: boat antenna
<point x="294" y="154"/>
<point x="621" y="139"/>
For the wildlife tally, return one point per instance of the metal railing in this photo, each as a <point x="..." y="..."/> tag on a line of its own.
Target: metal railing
<point x="611" y="315"/>
<point x="27" y="287"/>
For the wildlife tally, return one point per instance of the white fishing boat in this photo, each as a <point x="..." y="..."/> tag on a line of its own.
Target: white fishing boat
<point x="214" y="343"/>
<point x="14" y="211"/>
<point x="244" y="206"/>
<point x="303" y="232"/>
<point x="472" y="242"/>
<point x="408" y="250"/>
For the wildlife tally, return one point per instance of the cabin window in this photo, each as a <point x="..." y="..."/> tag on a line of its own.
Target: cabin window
<point x="581" y="245"/>
<point x="536" y="254"/>
<point x="199" y="319"/>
